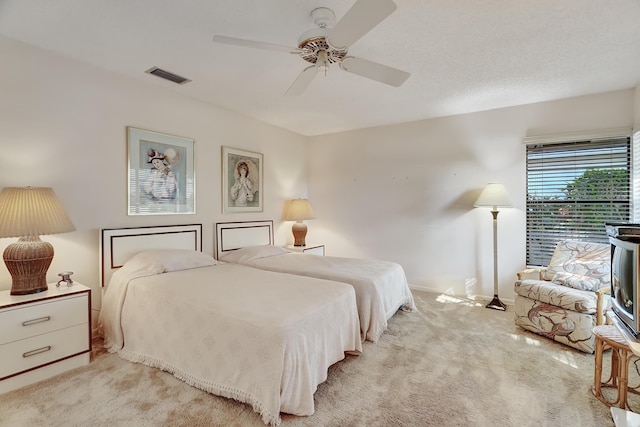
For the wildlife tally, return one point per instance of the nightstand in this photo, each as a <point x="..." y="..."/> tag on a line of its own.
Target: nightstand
<point x="308" y="249"/>
<point x="43" y="334"/>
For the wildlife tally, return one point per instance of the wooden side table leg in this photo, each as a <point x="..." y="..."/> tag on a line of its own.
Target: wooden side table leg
<point x="597" y="377"/>
<point x="623" y="379"/>
<point x="618" y="373"/>
<point x="616" y="365"/>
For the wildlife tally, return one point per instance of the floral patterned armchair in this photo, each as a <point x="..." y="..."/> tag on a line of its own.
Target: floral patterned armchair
<point x="565" y="300"/>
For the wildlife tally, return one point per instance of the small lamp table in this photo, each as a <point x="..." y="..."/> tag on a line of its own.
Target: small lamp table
<point x="621" y="357"/>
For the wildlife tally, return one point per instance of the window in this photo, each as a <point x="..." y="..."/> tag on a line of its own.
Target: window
<point x="573" y="188"/>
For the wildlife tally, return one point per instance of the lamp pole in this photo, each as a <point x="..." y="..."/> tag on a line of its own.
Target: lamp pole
<point x="495" y="303"/>
<point x="492" y="196"/>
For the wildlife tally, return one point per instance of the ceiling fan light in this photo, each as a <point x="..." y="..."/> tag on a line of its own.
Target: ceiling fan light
<point x="323" y="62"/>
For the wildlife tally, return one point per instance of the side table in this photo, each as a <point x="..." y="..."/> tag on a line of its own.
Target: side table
<point x="621" y="357"/>
<point x="43" y="334"/>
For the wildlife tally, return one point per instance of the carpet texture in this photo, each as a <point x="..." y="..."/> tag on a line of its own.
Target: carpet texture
<point x="452" y="363"/>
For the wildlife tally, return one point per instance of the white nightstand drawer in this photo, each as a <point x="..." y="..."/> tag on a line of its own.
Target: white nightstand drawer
<point x="22" y="355"/>
<point x="25" y="321"/>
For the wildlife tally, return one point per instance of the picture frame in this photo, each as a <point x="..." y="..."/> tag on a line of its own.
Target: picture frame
<point x="160" y="173"/>
<point x="242" y="176"/>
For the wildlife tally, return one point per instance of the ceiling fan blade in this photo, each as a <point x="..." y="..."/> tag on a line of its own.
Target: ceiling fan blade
<point x="254" y="44"/>
<point x="358" y="21"/>
<point x="302" y="81"/>
<point x="374" y="71"/>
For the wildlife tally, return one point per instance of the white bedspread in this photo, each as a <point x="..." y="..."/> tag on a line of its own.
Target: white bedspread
<point x="381" y="286"/>
<point x="262" y="338"/>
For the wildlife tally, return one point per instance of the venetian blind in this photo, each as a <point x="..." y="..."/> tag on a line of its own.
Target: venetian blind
<point x="573" y="188"/>
<point x="635" y="170"/>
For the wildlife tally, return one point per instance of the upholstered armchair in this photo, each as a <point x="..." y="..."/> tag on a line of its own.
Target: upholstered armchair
<point x="565" y="300"/>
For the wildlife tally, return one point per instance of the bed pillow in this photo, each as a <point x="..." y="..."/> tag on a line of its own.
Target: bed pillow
<point x="243" y="255"/>
<point x="576" y="281"/>
<point x="140" y="265"/>
<point x="177" y="259"/>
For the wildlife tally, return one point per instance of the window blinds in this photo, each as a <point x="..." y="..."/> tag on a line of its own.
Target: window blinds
<point x="573" y="188"/>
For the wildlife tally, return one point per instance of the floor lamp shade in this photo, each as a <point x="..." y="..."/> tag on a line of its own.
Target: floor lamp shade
<point x="299" y="210"/>
<point x="28" y="212"/>
<point x="494" y="196"/>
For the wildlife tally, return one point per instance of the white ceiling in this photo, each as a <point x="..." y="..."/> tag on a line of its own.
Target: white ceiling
<point x="463" y="55"/>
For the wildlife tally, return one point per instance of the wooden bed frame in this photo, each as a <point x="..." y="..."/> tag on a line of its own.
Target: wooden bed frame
<point x="235" y="235"/>
<point x="117" y="245"/>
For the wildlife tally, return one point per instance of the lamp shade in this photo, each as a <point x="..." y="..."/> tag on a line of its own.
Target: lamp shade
<point x="299" y="210"/>
<point x="493" y="195"/>
<point x="32" y="211"/>
<point x="28" y="212"/>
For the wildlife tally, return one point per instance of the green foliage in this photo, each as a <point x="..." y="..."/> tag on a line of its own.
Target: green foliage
<point x="599" y="184"/>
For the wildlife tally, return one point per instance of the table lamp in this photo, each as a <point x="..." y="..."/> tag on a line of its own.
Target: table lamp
<point x="299" y="210"/>
<point x="28" y="212"/>
<point x="494" y="196"/>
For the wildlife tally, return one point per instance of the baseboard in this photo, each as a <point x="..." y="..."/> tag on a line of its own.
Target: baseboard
<point x="483" y="298"/>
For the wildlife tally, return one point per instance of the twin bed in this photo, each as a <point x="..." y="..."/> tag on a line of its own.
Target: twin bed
<point x="381" y="287"/>
<point x="261" y="337"/>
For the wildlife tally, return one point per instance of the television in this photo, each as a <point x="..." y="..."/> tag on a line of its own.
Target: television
<point x="625" y="284"/>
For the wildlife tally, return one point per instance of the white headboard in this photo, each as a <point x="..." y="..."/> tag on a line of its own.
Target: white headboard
<point x="235" y="235"/>
<point x="119" y="244"/>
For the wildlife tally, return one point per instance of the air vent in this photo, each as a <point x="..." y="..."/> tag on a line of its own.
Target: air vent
<point x="167" y="75"/>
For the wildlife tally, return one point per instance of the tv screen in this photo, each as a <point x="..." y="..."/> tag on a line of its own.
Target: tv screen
<point x="624" y="282"/>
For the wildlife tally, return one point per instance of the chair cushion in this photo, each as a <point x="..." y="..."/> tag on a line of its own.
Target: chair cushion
<point x="583" y="259"/>
<point x="560" y="296"/>
<point x="576" y="281"/>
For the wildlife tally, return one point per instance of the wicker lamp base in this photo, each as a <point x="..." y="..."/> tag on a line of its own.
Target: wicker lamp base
<point x="299" y="230"/>
<point x="28" y="260"/>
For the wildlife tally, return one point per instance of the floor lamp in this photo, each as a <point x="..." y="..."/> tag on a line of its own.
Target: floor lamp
<point x="494" y="196"/>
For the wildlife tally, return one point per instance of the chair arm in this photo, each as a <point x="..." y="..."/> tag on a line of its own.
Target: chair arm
<point x="527" y="271"/>
<point x="600" y="304"/>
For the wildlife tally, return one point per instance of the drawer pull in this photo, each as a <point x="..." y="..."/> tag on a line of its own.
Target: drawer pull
<point x="36" y="351"/>
<point x="34" y="321"/>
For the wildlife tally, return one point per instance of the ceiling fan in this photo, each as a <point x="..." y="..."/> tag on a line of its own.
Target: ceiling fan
<point x="329" y="44"/>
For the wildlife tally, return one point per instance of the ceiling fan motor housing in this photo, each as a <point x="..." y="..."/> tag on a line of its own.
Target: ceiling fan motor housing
<point x="312" y="42"/>
<point x="311" y="47"/>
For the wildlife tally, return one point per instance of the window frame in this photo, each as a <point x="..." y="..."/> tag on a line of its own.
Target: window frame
<point x="586" y="151"/>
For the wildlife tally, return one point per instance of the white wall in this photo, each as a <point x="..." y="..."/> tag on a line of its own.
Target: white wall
<point x="402" y="193"/>
<point x="405" y="193"/>
<point x="62" y="125"/>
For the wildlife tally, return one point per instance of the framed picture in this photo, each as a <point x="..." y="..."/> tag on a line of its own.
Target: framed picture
<point x="242" y="173"/>
<point x="161" y="173"/>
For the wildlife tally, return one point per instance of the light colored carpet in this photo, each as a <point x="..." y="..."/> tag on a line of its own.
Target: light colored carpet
<point x="453" y="363"/>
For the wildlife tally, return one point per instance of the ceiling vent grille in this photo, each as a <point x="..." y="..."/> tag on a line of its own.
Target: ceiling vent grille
<point x="167" y="75"/>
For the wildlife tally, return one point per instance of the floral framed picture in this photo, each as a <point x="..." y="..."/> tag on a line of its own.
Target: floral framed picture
<point x="242" y="173"/>
<point x="161" y="175"/>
